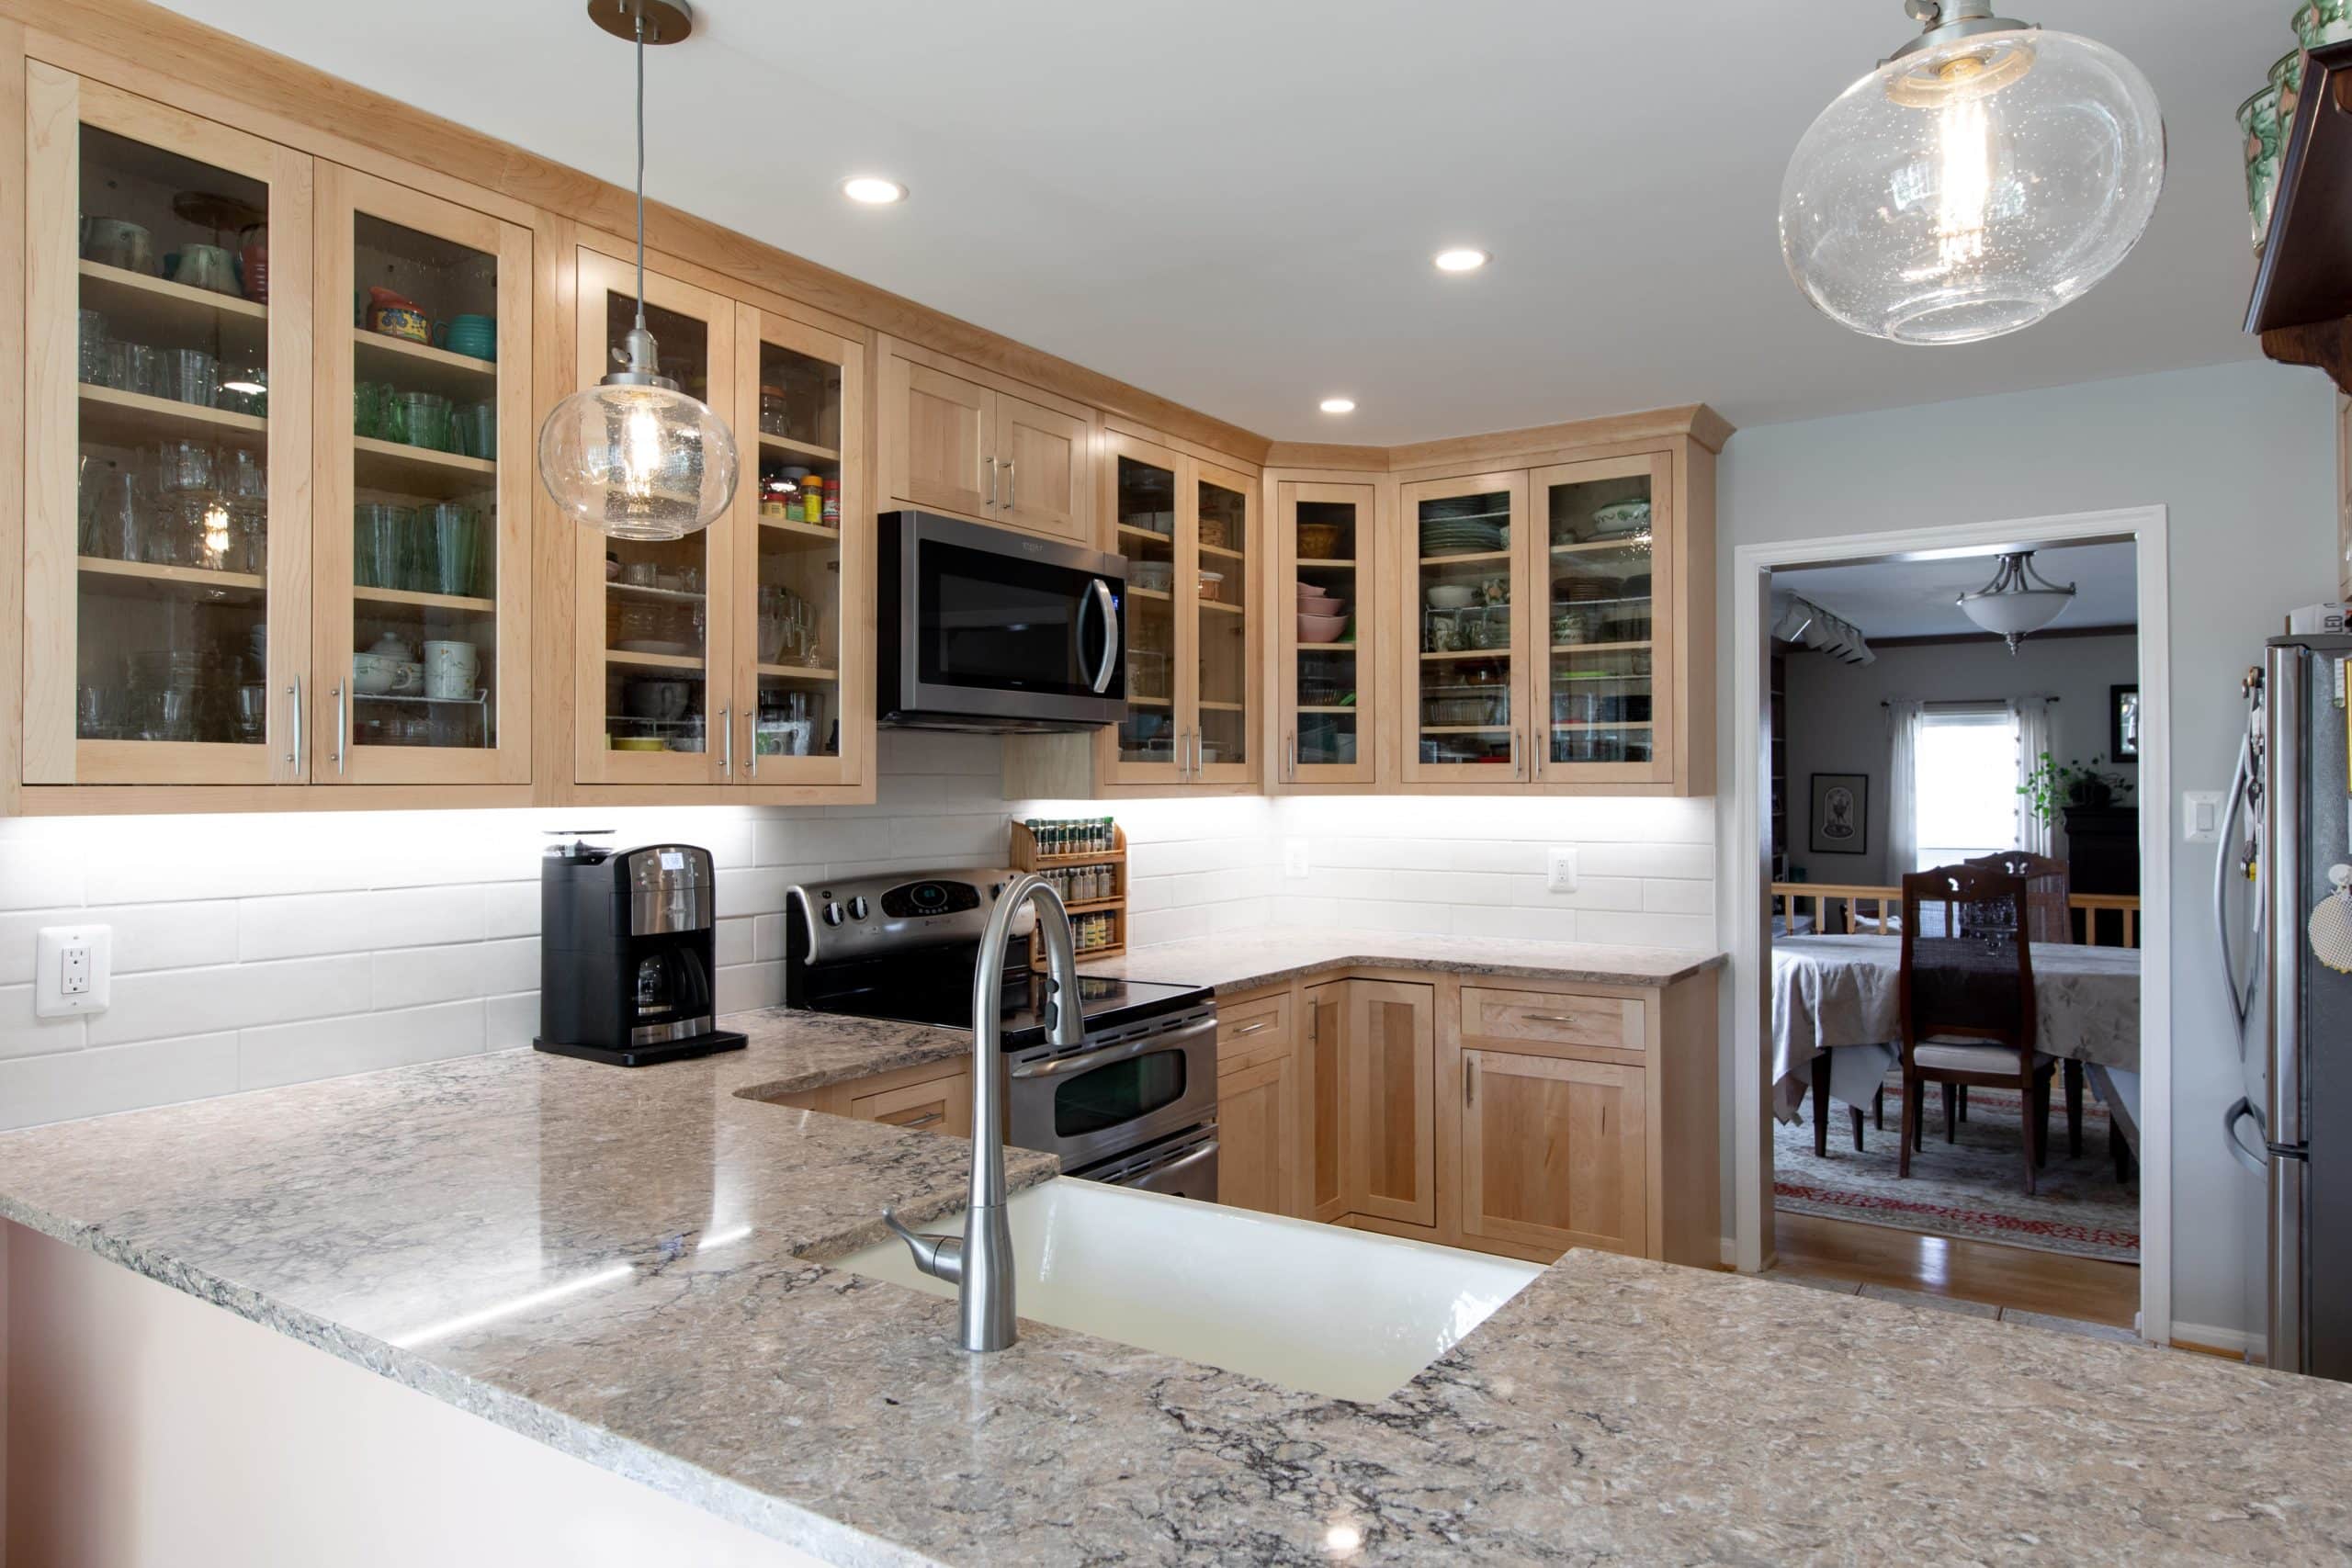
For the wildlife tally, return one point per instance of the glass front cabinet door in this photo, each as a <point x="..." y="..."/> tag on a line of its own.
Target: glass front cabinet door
<point x="167" y="439"/>
<point x="1467" y="675"/>
<point x="425" y="489"/>
<point x="1329" y="646"/>
<point x="655" y="663"/>
<point x="1604" y="561"/>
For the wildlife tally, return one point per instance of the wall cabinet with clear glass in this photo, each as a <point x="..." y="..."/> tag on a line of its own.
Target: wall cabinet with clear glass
<point x="739" y="657"/>
<point x="1330" y="648"/>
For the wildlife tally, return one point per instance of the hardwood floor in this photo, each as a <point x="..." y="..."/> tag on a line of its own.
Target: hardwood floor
<point x="2088" y="1288"/>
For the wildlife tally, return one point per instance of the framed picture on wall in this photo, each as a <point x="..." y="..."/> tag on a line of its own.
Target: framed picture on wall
<point x="2123" y="723"/>
<point x="1841" y="814"/>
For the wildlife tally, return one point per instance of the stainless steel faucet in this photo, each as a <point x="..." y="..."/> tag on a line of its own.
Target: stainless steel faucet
<point x="979" y="1262"/>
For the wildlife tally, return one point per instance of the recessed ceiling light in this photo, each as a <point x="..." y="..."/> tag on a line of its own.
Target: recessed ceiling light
<point x="1339" y="405"/>
<point x="872" y="190"/>
<point x="1462" y="260"/>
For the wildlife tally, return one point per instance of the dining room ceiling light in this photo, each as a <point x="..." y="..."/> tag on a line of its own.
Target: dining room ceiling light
<point x="1462" y="259"/>
<point x="635" y="457"/>
<point x="872" y="190"/>
<point x="1337" y="405"/>
<point x="1987" y="174"/>
<point x="2017" y="601"/>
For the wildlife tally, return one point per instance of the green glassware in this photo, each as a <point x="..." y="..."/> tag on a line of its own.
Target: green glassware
<point x="2258" y="117"/>
<point x="2321" y="22"/>
<point x="455" y="532"/>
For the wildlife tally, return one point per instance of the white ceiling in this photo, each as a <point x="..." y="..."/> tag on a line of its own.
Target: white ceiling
<point x="1233" y="203"/>
<point x="1915" y="598"/>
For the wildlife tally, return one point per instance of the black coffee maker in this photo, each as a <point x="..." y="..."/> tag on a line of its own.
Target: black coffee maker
<point x="626" y="943"/>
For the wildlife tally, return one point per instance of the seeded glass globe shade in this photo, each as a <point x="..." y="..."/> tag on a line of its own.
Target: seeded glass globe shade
<point x="638" y="462"/>
<point x="1967" y="188"/>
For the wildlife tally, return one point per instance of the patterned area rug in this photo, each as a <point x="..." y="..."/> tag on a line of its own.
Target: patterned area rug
<point x="1974" y="1188"/>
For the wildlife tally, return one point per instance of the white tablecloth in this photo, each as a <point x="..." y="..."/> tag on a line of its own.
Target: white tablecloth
<point x="1839" y="994"/>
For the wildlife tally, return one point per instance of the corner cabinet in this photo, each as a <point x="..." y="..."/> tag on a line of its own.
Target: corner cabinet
<point x="738" y="658"/>
<point x="1330" y="649"/>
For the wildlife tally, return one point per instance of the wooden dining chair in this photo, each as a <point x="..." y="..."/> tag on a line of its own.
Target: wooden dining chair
<point x="2049" y="917"/>
<point x="1966" y="1001"/>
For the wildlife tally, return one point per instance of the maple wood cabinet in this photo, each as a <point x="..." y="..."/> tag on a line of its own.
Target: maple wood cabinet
<point x="1261" y="1106"/>
<point x="934" y="1097"/>
<point x="955" y="439"/>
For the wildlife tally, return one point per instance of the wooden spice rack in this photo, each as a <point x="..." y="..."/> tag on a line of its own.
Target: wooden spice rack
<point x="1027" y="856"/>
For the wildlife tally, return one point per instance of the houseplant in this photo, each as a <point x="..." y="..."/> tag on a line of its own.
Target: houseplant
<point x="2053" y="785"/>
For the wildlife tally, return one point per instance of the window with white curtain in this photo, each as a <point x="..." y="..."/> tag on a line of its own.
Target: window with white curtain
<point x="1964" y="795"/>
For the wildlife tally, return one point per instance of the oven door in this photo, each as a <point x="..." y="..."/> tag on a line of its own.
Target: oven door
<point x="995" y="629"/>
<point x="1113" y="1097"/>
<point x="1183" y="1167"/>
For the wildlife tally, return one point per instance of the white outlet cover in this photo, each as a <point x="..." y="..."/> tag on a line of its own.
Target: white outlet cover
<point x="1294" y="859"/>
<point x="1561" y="876"/>
<point x="2201" y="816"/>
<point x="52" y="944"/>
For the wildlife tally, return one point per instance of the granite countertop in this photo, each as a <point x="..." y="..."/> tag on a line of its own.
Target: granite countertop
<point x="413" y="1221"/>
<point x="1245" y="960"/>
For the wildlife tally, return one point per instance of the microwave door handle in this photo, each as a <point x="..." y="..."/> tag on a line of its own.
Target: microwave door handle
<point x="1099" y="593"/>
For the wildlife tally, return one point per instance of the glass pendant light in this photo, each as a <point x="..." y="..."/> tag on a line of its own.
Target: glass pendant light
<point x="1988" y="173"/>
<point x="633" y="456"/>
<point x="2018" y="600"/>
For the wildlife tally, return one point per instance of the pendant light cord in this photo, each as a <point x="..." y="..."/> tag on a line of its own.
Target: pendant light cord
<point x="641" y="167"/>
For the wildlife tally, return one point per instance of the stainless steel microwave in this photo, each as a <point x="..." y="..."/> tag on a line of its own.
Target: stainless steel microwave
<point x="985" y="628"/>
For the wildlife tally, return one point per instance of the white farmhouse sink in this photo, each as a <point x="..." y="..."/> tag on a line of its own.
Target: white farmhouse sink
<point x="1313" y="1307"/>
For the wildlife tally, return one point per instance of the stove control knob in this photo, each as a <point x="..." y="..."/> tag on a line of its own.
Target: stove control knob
<point x="858" y="909"/>
<point x="832" y="914"/>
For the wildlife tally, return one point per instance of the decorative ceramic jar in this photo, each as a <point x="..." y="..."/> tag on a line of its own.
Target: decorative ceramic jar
<point x="2323" y="21"/>
<point x="2258" y="117"/>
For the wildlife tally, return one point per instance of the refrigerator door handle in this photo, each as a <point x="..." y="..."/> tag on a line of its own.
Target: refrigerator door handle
<point x="2255" y="1158"/>
<point x="2242" y="992"/>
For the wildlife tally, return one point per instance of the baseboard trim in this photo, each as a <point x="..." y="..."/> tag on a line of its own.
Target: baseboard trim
<point x="2230" y="1344"/>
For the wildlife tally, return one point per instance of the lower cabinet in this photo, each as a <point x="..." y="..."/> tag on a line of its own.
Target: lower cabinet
<point x="1263" y="1147"/>
<point x="935" y="1097"/>
<point x="1554" y="1151"/>
<point x="1387" y="1084"/>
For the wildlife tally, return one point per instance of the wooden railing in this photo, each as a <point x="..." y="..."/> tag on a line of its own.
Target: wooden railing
<point x="1797" y="898"/>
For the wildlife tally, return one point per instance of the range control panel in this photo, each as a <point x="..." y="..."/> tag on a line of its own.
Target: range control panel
<point x="869" y="917"/>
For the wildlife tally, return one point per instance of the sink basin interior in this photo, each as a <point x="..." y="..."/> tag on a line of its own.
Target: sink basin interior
<point x="1340" y="1312"/>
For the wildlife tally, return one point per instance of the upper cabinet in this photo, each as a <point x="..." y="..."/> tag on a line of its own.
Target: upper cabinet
<point x="1606" y="537"/>
<point x="739" y="657"/>
<point x="958" y="439"/>
<point x="167" y="426"/>
<point x="1467" y="683"/>
<point x="1328" y="648"/>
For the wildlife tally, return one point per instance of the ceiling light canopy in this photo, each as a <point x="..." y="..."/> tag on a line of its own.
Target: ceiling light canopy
<point x="1339" y="405"/>
<point x="633" y="456"/>
<point x="2018" y="600"/>
<point x="1987" y="175"/>
<point x="1462" y="259"/>
<point x="872" y="190"/>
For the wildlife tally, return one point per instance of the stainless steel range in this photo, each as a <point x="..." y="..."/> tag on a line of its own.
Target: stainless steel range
<point x="1132" y="1103"/>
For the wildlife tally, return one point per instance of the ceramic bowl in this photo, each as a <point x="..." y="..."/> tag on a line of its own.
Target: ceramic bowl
<point x="1153" y="576"/>
<point x="638" y="743"/>
<point x="1450" y="596"/>
<point x="373" y="674"/>
<point x="1621" y="518"/>
<point x="1322" y="606"/>
<point x="1321" y="628"/>
<point x="655" y="699"/>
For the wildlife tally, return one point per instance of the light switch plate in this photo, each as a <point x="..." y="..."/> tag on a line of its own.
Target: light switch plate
<point x="1562" y="875"/>
<point x="73" y="970"/>
<point x="2201" y="816"/>
<point x="1294" y="863"/>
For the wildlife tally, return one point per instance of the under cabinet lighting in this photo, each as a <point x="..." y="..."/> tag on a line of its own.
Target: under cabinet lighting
<point x="1462" y="260"/>
<point x="1339" y="405"/>
<point x="871" y="190"/>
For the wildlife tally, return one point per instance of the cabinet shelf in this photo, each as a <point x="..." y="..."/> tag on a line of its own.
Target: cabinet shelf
<point x="174" y="582"/>
<point x="1608" y="725"/>
<point x="1346" y="707"/>
<point x="652" y="660"/>
<point x="418" y="471"/>
<point x="1466" y="730"/>
<point x="1325" y="563"/>
<point x="1158" y="594"/>
<point x="1638" y="542"/>
<point x="1490" y="653"/>
<point x="1223" y="608"/>
<point x="791" y="449"/>
<point x="1475" y="558"/>
<point x="117" y="418"/>
<point x="647" y="590"/>
<point x="1134" y="702"/>
<point x="421" y="367"/>
<point x="798" y="672"/>
<point x="1221" y="551"/>
<point x="1599" y="647"/>
<point x="1143" y="533"/>
<point x="144" y="309"/>
<point x="796" y="531"/>
<point x="464" y="603"/>
<point x="1207" y="706"/>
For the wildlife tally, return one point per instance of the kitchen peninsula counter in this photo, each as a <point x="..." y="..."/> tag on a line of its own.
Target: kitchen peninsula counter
<point x="416" y="1222"/>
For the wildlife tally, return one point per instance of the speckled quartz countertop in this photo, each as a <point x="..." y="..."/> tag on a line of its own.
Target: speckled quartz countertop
<point x="1245" y="960"/>
<point x="1615" y="1410"/>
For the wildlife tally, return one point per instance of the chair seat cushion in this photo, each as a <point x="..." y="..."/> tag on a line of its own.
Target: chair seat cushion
<point x="1993" y="1059"/>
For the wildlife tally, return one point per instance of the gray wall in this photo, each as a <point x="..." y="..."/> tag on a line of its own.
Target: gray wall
<point x="1835" y="724"/>
<point x="2243" y="455"/>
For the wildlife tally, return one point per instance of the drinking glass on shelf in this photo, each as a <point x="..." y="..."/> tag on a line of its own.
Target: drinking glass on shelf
<point x="380" y="544"/>
<point x="425" y="420"/>
<point x="477" y="430"/>
<point x="191" y="376"/>
<point x="455" y="533"/>
<point x="182" y="467"/>
<point x="251" y="712"/>
<point x="91" y="360"/>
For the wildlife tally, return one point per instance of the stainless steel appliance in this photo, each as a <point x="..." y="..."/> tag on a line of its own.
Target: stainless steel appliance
<point x="2292" y="873"/>
<point x="1134" y="1102"/>
<point x="626" y="943"/>
<point x="984" y="628"/>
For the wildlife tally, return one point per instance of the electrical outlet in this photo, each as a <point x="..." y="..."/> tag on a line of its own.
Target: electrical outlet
<point x="1294" y="858"/>
<point x="2201" y="816"/>
<point x="1563" y="876"/>
<point x="73" y="970"/>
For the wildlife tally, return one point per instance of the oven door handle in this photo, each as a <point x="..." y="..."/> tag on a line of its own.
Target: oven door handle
<point x="1098" y="592"/>
<point x="1189" y="1158"/>
<point x="1126" y="1050"/>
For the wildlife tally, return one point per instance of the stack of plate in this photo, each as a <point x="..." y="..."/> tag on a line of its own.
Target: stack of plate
<point x="1460" y="538"/>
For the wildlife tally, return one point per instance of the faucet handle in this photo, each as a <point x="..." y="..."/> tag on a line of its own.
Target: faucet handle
<point x="941" y="1256"/>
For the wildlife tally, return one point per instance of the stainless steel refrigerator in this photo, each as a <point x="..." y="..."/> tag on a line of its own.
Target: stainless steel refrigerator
<point x="2296" y="869"/>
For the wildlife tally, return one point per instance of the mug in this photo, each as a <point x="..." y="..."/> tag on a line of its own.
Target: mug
<point x="207" y="266"/>
<point x="451" y="670"/>
<point x="118" y="242"/>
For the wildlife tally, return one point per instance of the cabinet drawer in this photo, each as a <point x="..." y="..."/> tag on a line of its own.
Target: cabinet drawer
<point x="1252" y="1027"/>
<point x="1612" y="1023"/>
<point x="942" y="1104"/>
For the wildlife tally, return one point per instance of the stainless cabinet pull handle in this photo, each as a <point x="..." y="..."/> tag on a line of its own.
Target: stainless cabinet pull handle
<point x="1470" y="1080"/>
<point x="1290" y="744"/>
<point x="1010" y="492"/>
<point x="1514" y="752"/>
<point x="1550" y="1017"/>
<point x="991" y="481"/>
<point x="925" y="1121"/>
<point x="752" y="740"/>
<point x="341" y="728"/>
<point x="294" y="753"/>
<point x="1253" y="1028"/>
<point x="726" y="743"/>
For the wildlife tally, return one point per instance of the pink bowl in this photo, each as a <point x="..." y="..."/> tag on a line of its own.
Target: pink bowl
<point x="1321" y="628"/>
<point x="1322" y="606"/>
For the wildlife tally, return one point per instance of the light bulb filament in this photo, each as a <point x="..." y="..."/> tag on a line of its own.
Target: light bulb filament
<point x="1963" y="183"/>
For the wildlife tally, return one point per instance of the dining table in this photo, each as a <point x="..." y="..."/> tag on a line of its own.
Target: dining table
<point x="1841" y="996"/>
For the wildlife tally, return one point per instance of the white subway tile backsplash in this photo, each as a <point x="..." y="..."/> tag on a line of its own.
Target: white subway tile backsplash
<point x="748" y="986"/>
<point x="510" y="1022"/>
<point x="1523" y="924"/>
<point x="40" y="875"/>
<point x="511" y="908"/>
<point x="731" y="941"/>
<point x="146" y="936"/>
<point x="116" y="1078"/>
<point x="414" y="977"/>
<point x="233" y="995"/>
<point x="1674" y="898"/>
<point x="357" y="922"/>
<point x="23" y="1034"/>
<point x="767" y="937"/>
<point x="328" y="1047"/>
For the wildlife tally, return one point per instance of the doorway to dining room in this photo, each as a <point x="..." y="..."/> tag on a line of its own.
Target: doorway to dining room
<point x="1902" y="748"/>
